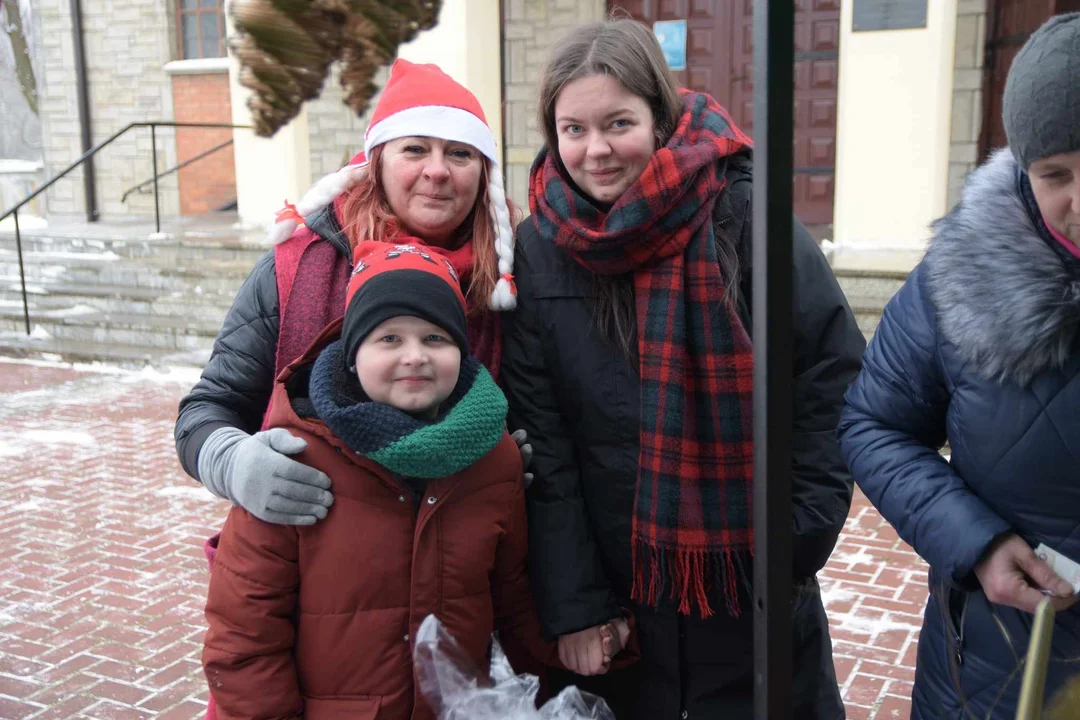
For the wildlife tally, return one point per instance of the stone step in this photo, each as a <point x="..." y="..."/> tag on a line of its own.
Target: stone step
<point x="43" y="296"/>
<point x="92" y="326"/>
<point x="101" y="269"/>
<point x="870" y="286"/>
<point x="868" y="291"/>
<point x="185" y="249"/>
<point x="134" y="356"/>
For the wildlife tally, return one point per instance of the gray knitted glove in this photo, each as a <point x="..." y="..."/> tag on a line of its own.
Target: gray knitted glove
<point x="522" y="440"/>
<point x="253" y="472"/>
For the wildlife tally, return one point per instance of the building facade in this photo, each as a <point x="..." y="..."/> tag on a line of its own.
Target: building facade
<point x="896" y="101"/>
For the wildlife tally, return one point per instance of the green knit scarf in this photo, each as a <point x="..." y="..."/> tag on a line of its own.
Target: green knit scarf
<point x="469" y="425"/>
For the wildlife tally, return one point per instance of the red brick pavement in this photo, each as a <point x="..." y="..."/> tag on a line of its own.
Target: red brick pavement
<point x="102" y="580"/>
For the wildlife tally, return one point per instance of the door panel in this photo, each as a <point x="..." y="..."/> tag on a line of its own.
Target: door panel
<point x="720" y="62"/>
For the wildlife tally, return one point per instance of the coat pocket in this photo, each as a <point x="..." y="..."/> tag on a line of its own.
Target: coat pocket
<point x="342" y="708"/>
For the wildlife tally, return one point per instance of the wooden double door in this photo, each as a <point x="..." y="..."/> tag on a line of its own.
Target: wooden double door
<point x="719" y="51"/>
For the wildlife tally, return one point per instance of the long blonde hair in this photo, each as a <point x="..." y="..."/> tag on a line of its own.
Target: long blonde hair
<point x="366" y="215"/>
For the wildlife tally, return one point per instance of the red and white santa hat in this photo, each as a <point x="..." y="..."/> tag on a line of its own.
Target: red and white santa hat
<point x="422" y="100"/>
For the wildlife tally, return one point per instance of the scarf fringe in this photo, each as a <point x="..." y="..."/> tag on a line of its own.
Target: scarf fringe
<point x="688" y="575"/>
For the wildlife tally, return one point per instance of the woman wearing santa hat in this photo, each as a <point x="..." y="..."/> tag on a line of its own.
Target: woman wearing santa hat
<point x="429" y="171"/>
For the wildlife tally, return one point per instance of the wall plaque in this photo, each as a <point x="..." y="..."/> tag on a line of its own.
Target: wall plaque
<point x="871" y="15"/>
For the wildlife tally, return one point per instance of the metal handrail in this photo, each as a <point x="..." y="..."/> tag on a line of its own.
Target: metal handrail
<point x="165" y="173"/>
<point x="153" y="125"/>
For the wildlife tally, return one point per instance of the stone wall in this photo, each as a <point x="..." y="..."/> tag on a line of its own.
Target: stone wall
<point x="967" y="108"/>
<point x="126" y="44"/>
<point x="530" y="29"/>
<point x="335" y="132"/>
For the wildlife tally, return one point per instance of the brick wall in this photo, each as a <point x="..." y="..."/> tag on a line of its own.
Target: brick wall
<point x="531" y="28"/>
<point x="967" y="108"/>
<point x="126" y="42"/>
<point x="210" y="182"/>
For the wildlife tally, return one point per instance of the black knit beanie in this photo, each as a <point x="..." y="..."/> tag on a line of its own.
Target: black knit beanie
<point x="393" y="280"/>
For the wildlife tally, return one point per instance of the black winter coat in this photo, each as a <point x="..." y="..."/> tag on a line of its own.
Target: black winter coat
<point x="236" y="383"/>
<point x="578" y="398"/>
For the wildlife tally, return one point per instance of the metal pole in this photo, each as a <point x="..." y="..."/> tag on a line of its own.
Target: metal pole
<point x="774" y="53"/>
<point x="153" y="153"/>
<point x="82" y="89"/>
<point x="22" y="272"/>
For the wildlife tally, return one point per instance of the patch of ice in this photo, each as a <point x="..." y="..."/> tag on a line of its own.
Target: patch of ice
<point x="69" y="255"/>
<point x="27" y="506"/>
<point x="53" y="271"/>
<point x="10" y="450"/>
<point x="73" y="311"/>
<point x="169" y="374"/>
<point x="830" y="594"/>
<point x="854" y="623"/>
<point x="26" y="222"/>
<point x="40" y="333"/>
<point x="59" y="437"/>
<point x="191" y="492"/>
<point x="860" y="558"/>
<point x="30" y="289"/>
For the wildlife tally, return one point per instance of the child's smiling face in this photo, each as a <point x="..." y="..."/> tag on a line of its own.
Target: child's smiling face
<point x="410" y="364"/>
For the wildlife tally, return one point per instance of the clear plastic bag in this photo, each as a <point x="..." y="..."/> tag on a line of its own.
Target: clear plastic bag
<point x="455" y="690"/>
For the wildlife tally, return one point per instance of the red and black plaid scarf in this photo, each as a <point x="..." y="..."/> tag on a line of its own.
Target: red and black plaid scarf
<point x="692" y="524"/>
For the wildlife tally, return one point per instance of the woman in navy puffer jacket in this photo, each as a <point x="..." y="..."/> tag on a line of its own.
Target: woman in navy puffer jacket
<point x="980" y="348"/>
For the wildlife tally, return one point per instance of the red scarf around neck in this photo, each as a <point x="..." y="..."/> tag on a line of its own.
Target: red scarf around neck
<point x="693" y="510"/>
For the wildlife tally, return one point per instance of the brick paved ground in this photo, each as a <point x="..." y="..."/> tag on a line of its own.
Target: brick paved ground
<point x="102" y="579"/>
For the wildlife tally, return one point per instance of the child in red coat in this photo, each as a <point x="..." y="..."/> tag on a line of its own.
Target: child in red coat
<point x="429" y="514"/>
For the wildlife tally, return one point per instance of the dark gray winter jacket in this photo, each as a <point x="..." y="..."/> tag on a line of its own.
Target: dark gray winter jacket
<point x="235" y="386"/>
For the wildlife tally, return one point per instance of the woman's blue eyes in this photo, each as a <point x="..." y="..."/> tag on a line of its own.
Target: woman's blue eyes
<point x="578" y="129"/>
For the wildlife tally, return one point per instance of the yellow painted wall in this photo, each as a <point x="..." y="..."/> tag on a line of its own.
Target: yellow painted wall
<point x="893" y="131"/>
<point x="268" y="170"/>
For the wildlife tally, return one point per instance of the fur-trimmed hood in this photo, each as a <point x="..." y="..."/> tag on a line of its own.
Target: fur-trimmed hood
<point x="1004" y="297"/>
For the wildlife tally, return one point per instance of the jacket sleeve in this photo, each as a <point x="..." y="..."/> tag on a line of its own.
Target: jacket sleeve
<point x="828" y="348"/>
<point x="515" y="613"/>
<point x="571" y="587"/>
<point x="828" y="355"/>
<point x="248" y="656"/>
<point x="235" y="386"/>
<point x="893" y="424"/>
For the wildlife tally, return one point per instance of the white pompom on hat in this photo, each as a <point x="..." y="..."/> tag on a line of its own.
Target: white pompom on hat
<point x="421" y="101"/>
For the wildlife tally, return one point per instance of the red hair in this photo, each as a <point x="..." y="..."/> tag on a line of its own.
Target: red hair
<point x="366" y="215"/>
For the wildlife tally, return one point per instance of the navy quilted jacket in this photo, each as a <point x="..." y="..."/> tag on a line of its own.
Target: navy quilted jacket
<point x="978" y="349"/>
